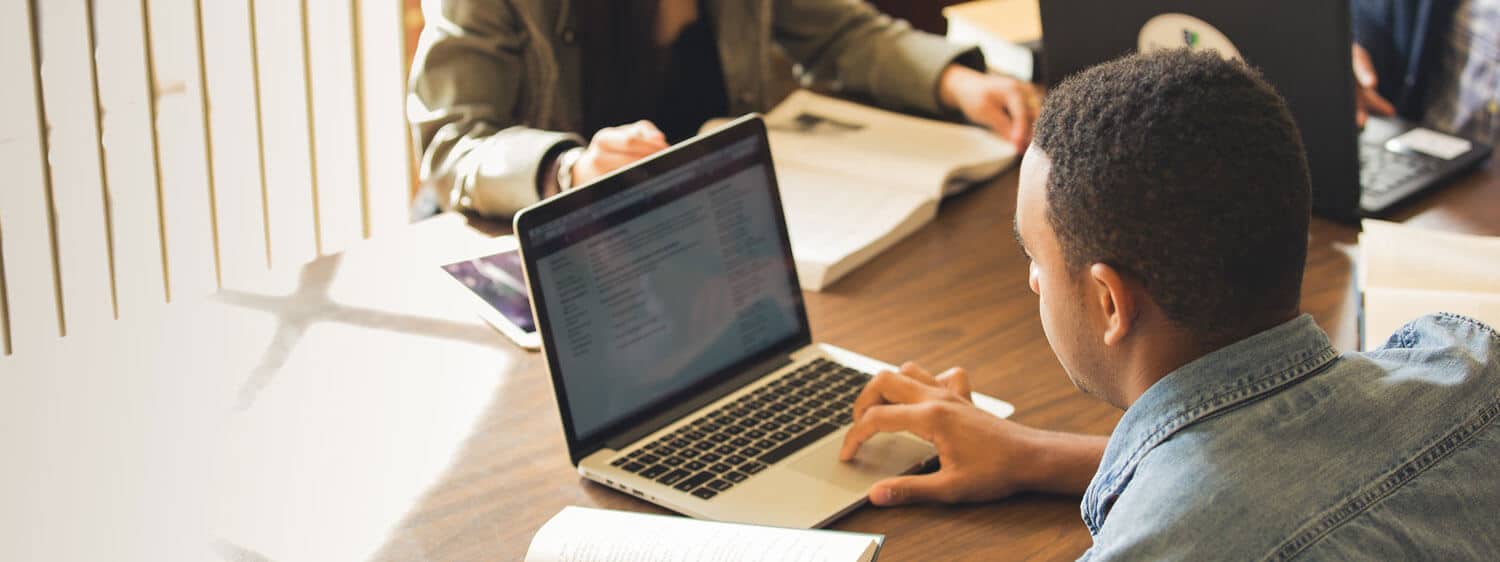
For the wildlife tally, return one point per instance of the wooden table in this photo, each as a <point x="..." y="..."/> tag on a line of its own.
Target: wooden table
<point x="955" y="293"/>
<point x="372" y="415"/>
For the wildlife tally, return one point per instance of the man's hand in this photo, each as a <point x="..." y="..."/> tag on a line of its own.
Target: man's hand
<point x="1005" y="105"/>
<point x="616" y="147"/>
<point x="983" y="457"/>
<point x="1366" y="99"/>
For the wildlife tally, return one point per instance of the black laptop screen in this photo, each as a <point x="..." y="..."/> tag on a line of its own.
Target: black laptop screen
<point x="658" y="287"/>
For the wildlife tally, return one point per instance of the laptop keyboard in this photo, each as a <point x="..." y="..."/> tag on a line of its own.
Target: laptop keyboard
<point x="1381" y="170"/>
<point x="738" y="440"/>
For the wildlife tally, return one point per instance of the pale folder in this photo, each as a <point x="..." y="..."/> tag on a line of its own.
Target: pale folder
<point x="855" y="180"/>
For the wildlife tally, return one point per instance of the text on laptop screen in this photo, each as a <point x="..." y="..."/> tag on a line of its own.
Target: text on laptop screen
<point x="662" y="285"/>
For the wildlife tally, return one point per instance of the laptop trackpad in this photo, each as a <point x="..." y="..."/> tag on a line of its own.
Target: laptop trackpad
<point x="883" y="456"/>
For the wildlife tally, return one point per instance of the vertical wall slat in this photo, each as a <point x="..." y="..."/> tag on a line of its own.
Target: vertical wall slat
<point x="330" y="55"/>
<point x="284" y="124"/>
<point x="129" y="154"/>
<point x="31" y="291"/>
<point x="71" y="111"/>
<point x="186" y="192"/>
<point x="234" y="126"/>
<point x="382" y="67"/>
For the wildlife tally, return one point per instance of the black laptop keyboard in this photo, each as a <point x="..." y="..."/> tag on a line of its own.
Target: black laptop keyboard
<point x="740" y="439"/>
<point x="1381" y="170"/>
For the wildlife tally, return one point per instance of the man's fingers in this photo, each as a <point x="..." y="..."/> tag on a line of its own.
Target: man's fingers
<point x="1364" y="71"/>
<point x="886" y="419"/>
<point x="957" y="382"/>
<point x="639" y="139"/>
<point x="913" y="370"/>
<point x="1372" y="101"/>
<point x="1018" y="105"/>
<point x="647" y="130"/>
<point x="911" y="489"/>
<point x="888" y="387"/>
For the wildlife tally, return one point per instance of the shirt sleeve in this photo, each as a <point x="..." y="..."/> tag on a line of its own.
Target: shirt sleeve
<point x="867" y="52"/>
<point x="462" y="103"/>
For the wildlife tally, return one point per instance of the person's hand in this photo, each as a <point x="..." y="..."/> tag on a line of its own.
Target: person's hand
<point x="983" y="457"/>
<point x="1366" y="99"/>
<point x="616" y="147"/>
<point x="1005" y="105"/>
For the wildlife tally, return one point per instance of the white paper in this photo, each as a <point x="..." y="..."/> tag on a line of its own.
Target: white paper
<point x="578" y="534"/>
<point x="855" y="180"/>
<point x="1432" y="143"/>
<point x="1407" y="272"/>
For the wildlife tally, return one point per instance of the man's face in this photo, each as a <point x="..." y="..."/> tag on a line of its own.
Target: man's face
<point x="1064" y="304"/>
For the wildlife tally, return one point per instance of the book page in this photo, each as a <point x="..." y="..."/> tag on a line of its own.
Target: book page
<point x="916" y="154"/>
<point x="579" y="534"/>
<point x="1403" y="257"/>
<point x="833" y="217"/>
<point x="1387" y="310"/>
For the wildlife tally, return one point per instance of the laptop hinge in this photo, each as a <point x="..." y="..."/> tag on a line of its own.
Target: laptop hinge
<point x="688" y="406"/>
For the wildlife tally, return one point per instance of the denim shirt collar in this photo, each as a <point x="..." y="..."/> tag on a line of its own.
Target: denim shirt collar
<point x="1217" y="382"/>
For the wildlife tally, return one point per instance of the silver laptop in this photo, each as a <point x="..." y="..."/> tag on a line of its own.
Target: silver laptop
<point x="679" y="348"/>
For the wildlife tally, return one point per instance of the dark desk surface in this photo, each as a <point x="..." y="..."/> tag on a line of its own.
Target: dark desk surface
<point x="954" y="293"/>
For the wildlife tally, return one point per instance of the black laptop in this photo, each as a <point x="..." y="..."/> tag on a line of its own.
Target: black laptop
<point x="1301" y="47"/>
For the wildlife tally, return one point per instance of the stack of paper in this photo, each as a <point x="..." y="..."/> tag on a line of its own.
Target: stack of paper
<point x="1408" y="272"/>
<point x="855" y="180"/>
<point x="580" y="534"/>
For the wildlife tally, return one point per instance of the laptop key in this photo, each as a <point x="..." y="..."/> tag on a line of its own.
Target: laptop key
<point x="720" y="468"/>
<point x="735" y="477"/>
<point x="752" y="467"/>
<point x="733" y="429"/>
<point x="720" y="485"/>
<point x="633" y="467"/>
<point x="673" y="461"/>
<point x="654" y="471"/>
<point x="770" y="426"/>
<point x="673" y="477"/>
<point x="665" y="451"/>
<point x="704" y="493"/>
<point x="780" y="436"/>
<point x="620" y="461"/>
<point x="710" y="457"/>
<point x="795" y="428"/>
<point x="817" y="432"/>
<point x="751" y="452"/>
<point x="649" y="459"/>
<point x="739" y="442"/>
<point x="765" y="444"/>
<point x="726" y="450"/>
<point x="718" y="438"/>
<point x="754" y="434"/>
<point x="693" y="481"/>
<point x="734" y="460"/>
<point x="703" y="445"/>
<point x="694" y="465"/>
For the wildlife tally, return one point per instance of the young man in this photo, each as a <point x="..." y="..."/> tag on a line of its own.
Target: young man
<point x="1164" y="205"/>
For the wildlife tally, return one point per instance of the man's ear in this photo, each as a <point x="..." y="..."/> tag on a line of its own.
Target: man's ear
<point x="1117" y="301"/>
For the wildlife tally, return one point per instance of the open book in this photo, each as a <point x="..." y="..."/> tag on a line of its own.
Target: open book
<point x="855" y="179"/>
<point x="580" y="534"/>
<point x="1408" y="272"/>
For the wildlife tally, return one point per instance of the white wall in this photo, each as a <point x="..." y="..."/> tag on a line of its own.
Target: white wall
<point x="157" y="150"/>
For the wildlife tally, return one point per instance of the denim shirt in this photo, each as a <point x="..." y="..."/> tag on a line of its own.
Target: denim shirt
<point x="1277" y="447"/>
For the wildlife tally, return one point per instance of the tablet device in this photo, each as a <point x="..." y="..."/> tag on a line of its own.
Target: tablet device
<point x="499" y="292"/>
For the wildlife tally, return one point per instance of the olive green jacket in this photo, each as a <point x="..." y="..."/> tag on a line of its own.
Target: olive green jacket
<point x="495" y="86"/>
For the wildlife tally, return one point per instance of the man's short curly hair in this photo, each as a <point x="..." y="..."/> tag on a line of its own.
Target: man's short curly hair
<point x="1186" y="172"/>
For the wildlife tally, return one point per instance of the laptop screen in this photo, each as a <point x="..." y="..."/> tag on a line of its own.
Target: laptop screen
<point x="660" y="286"/>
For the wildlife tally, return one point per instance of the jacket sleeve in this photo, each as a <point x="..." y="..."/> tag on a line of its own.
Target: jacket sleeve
<point x="867" y="52"/>
<point x="463" y="105"/>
